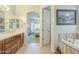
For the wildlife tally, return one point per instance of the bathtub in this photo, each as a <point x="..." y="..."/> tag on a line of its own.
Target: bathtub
<point x="74" y="43"/>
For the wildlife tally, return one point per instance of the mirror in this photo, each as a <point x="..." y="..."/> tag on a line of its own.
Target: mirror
<point x="2" y="21"/>
<point x="13" y="23"/>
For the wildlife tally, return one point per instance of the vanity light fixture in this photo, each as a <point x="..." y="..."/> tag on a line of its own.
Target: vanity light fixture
<point x="5" y="7"/>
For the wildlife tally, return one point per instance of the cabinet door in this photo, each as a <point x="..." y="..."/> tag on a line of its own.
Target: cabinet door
<point x="14" y="48"/>
<point x="22" y="38"/>
<point x="18" y="40"/>
<point x="0" y="47"/>
<point x="7" y="43"/>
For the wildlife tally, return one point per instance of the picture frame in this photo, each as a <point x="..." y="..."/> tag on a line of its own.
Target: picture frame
<point x="66" y="17"/>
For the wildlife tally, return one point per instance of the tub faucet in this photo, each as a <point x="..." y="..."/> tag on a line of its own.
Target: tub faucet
<point x="73" y="41"/>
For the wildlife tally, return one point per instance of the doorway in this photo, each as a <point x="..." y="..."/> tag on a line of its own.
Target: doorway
<point x="33" y="29"/>
<point x="46" y="25"/>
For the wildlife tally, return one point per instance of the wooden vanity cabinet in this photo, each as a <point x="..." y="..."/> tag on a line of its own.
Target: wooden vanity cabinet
<point x="0" y="47"/>
<point x="22" y="39"/>
<point x="12" y="44"/>
<point x="18" y="40"/>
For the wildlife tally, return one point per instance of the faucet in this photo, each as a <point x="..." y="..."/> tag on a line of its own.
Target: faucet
<point x="74" y="38"/>
<point x="73" y="41"/>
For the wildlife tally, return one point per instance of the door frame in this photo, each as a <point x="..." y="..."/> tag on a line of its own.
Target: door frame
<point x="45" y="8"/>
<point x="27" y="38"/>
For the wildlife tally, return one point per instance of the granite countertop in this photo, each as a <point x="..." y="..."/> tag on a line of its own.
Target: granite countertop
<point x="5" y="35"/>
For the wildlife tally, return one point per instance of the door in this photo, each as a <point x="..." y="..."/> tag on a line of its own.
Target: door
<point x="46" y="26"/>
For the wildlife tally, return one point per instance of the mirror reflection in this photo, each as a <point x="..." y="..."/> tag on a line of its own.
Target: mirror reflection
<point x="13" y="23"/>
<point x="2" y="21"/>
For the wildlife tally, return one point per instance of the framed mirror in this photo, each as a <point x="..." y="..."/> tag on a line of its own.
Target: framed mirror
<point x="2" y="21"/>
<point x="14" y="23"/>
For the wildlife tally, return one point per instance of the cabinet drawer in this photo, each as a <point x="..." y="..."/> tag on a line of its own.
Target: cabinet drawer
<point x="7" y="40"/>
<point x="10" y="49"/>
<point x="18" y="36"/>
<point x="7" y="45"/>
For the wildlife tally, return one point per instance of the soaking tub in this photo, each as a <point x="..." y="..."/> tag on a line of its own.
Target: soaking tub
<point x="69" y="45"/>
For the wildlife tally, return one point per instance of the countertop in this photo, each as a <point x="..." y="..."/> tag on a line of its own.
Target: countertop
<point x="5" y="35"/>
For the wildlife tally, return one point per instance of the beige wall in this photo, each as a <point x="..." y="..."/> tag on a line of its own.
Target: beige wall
<point x="22" y="10"/>
<point x="21" y="13"/>
<point x="12" y="9"/>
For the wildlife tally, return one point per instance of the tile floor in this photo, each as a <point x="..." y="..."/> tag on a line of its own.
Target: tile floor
<point x="34" y="48"/>
<point x="33" y="39"/>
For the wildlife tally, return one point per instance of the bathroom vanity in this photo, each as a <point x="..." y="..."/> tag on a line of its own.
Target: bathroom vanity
<point x="11" y="31"/>
<point x="11" y="43"/>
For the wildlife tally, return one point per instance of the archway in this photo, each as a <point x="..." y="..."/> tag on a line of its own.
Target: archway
<point x="33" y="28"/>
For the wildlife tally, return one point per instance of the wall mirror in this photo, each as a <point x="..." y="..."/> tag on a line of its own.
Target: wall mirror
<point x="2" y="21"/>
<point x="14" y="23"/>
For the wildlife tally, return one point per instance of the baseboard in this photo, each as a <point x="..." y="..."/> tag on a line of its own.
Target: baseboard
<point x="53" y="50"/>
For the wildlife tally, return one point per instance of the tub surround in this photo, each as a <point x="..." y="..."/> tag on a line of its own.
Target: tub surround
<point x="67" y="47"/>
<point x="10" y="42"/>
